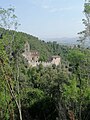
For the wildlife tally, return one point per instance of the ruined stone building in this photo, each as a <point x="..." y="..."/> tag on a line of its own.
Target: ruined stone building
<point x="33" y="57"/>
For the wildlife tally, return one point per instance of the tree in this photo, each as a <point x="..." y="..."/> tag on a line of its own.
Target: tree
<point x="51" y="82"/>
<point x="85" y="34"/>
<point x="8" y="20"/>
<point x="79" y="61"/>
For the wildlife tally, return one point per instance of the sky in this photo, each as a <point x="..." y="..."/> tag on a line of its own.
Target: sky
<point x="48" y="18"/>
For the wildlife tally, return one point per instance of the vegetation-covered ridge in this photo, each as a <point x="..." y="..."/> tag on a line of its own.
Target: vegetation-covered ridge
<point x="51" y="93"/>
<point x="45" y="49"/>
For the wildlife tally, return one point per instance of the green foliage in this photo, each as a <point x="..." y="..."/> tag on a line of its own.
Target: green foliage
<point x="85" y="34"/>
<point x="32" y="95"/>
<point x="49" y="92"/>
<point x="76" y="56"/>
<point x="8" y="19"/>
<point x="87" y="8"/>
<point x="38" y="83"/>
<point x="71" y="91"/>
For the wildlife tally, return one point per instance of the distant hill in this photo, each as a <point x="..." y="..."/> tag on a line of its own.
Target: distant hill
<point x="68" y="41"/>
<point x="64" y="40"/>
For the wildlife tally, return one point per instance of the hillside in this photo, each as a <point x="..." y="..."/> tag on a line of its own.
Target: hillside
<point x="37" y="92"/>
<point x="45" y="49"/>
<point x="64" y="40"/>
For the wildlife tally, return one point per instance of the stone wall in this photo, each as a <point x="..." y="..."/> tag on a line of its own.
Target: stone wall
<point x="33" y="57"/>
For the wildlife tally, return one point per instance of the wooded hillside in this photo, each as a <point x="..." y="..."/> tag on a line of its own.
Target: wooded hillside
<point x="39" y="93"/>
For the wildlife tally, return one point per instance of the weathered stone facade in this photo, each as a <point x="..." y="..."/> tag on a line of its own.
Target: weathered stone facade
<point x="55" y="60"/>
<point x="33" y="57"/>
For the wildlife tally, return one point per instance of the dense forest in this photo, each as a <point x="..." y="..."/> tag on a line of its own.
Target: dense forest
<point x="43" y="93"/>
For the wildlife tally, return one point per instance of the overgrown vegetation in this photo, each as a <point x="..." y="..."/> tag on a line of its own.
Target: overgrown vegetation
<point x="42" y="93"/>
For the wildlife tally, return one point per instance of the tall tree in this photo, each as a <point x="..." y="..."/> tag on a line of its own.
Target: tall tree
<point x="85" y="34"/>
<point x="8" y="20"/>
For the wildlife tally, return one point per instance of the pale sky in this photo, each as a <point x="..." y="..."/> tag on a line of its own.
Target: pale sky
<point x="48" y="18"/>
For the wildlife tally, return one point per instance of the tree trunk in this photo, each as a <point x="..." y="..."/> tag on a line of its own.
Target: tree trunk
<point x="80" y="110"/>
<point x="61" y="112"/>
<point x="20" y="113"/>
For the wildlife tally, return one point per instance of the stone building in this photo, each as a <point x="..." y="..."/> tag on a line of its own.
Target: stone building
<point x="33" y="57"/>
<point x="30" y="55"/>
<point x="55" y="60"/>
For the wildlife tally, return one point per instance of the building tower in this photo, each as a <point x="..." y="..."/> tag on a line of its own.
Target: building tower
<point x="27" y="47"/>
